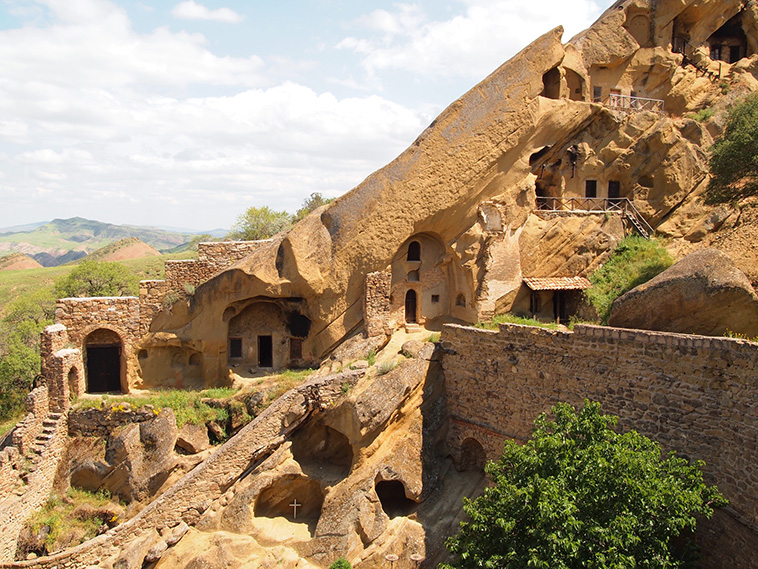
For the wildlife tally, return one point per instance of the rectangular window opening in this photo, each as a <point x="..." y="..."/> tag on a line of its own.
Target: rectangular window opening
<point x="235" y="347"/>
<point x="296" y="348"/>
<point x="590" y="189"/>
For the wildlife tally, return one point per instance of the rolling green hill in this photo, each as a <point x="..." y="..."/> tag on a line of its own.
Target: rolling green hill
<point x="64" y="240"/>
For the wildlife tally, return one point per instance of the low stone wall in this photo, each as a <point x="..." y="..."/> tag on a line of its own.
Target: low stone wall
<point x="180" y="275"/>
<point x="9" y="471"/>
<point x="102" y="422"/>
<point x="30" y="427"/>
<point x="224" y="253"/>
<point x="696" y="395"/>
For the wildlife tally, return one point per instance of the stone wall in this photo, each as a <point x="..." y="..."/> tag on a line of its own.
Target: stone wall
<point x="30" y="427"/>
<point x="696" y="395"/>
<point x="182" y="275"/>
<point x="151" y="295"/>
<point x="224" y="253"/>
<point x="376" y="303"/>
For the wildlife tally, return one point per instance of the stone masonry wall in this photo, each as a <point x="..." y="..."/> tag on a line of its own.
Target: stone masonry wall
<point x="180" y="275"/>
<point x="224" y="253"/>
<point x="696" y="395"/>
<point x="376" y="303"/>
<point x="31" y="426"/>
<point x="151" y="295"/>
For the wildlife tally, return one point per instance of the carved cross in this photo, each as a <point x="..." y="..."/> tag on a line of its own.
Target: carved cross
<point x="294" y="505"/>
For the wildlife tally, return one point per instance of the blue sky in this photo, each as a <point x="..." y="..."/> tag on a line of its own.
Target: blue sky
<point x="184" y="113"/>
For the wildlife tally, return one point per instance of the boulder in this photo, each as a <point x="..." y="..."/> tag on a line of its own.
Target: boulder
<point x="704" y="293"/>
<point x="193" y="439"/>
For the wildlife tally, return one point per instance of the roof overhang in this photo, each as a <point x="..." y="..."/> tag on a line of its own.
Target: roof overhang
<point x="557" y="283"/>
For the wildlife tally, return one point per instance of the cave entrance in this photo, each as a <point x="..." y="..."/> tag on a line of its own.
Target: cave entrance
<point x="323" y="453"/>
<point x="103" y="349"/>
<point x="277" y="499"/>
<point x="395" y="503"/>
<point x="265" y="351"/>
<point x="472" y="457"/>
<point x="729" y="42"/>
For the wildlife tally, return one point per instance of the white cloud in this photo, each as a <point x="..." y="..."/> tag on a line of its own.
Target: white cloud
<point x="468" y="45"/>
<point x="190" y="10"/>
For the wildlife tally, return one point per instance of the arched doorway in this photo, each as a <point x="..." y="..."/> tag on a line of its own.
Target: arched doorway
<point x="410" y="306"/>
<point x="103" y="350"/>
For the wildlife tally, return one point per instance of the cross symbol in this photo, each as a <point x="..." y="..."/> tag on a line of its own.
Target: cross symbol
<point x="294" y="505"/>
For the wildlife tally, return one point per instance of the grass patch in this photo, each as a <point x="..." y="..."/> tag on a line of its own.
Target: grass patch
<point x="371" y="357"/>
<point x="187" y="405"/>
<point x="385" y="368"/>
<point x="66" y="522"/>
<point x="434" y="338"/>
<point x="513" y="319"/>
<point x="287" y="379"/>
<point x="740" y="336"/>
<point x="8" y="424"/>
<point x="636" y="260"/>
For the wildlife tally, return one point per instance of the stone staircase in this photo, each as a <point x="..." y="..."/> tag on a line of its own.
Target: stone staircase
<point x="37" y="450"/>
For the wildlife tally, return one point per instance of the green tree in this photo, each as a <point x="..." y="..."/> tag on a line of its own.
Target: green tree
<point x="20" y="330"/>
<point x="93" y="278"/>
<point x="314" y="201"/>
<point x="580" y="495"/>
<point x="734" y="156"/>
<point x="260" y="223"/>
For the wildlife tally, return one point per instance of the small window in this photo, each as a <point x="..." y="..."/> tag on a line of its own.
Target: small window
<point x="235" y="347"/>
<point x="414" y="251"/>
<point x="460" y="300"/>
<point x="435" y="298"/>
<point x="177" y="360"/>
<point x="413" y="276"/>
<point x="590" y="189"/>
<point x="142" y="354"/>
<point x="296" y="348"/>
<point x="597" y="94"/>
<point x="194" y="360"/>
<point x="614" y="189"/>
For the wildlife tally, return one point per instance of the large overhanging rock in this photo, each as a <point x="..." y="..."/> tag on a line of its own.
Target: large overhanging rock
<point x="704" y="293"/>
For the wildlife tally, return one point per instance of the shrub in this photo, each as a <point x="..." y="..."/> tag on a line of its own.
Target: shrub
<point x="636" y="260"/>
<point x="341" y="563"/>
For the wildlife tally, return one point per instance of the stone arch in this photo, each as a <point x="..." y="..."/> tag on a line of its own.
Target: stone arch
<point x="460" y="300"/>
<point x="74" y="380"/>
<point x="638" y="26"/>
<point x="551" y="84"/>
<point x="104" y="361"/>
<point x="472" y="455"/>
<point x="394" y="498"/>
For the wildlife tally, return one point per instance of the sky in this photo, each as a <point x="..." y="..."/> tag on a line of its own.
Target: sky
<point x="184" y="113"/>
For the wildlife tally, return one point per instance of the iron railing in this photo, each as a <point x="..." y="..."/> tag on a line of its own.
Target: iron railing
<point x="598" y="205"/>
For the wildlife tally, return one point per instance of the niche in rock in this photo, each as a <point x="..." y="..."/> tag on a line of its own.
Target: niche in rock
<point x="394" y="501"/>
<point x="323" y="453"/>
<point x="472" y="456"/>
<point x="275" y="500"/>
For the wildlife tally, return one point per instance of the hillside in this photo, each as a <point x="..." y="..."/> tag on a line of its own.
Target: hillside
<point x="17" y="261"/>
<point x="122" y="250"/>
<point x="64" y="240"/>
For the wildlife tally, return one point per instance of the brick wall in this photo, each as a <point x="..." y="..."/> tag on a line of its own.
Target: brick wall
<point x="693" y="394"/>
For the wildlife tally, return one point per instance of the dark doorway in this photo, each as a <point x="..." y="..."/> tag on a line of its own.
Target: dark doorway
<point x="103" y="369"/>
<point x="414" y="251"/>
<point x="614" y="192"/>
<point x="559" y="306"/>
<point x="265" y="351"/>
<point x="391" y="494"/>
<point x="735" y="53"/>
<point x="590" y="189"/>
<point x="410" y="306"/>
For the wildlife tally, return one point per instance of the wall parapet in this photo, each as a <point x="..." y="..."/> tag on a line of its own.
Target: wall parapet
<point x="694" y="394"/>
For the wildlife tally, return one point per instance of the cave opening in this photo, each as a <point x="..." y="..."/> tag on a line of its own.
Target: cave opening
<point x="392" y="496"/>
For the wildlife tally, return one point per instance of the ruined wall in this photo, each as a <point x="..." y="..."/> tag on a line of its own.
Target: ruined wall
<point x="376" y="303"/>
<point x="182" y="275"/>
<point x="696" y="395"/>
<point x="224" y="253"/>
<point x="151" y="296"/>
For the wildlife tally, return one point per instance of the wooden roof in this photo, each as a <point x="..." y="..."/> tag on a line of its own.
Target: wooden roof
<point x="557" y="283"/>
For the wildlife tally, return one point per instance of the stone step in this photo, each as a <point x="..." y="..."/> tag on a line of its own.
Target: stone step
<point x="51" y="423"/>
<point x="54" y="416"/>
<point x="412" y="328"/>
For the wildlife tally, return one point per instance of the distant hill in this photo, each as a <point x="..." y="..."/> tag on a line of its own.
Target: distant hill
<point x="64" y="240"/>
<point x="123" y="249"/>
<point x="17" y="262"/>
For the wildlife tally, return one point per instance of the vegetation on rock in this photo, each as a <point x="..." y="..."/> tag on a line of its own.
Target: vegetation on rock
<point x="263" y="222"/>
<point x="636" y="260"/>
<point x="92" y="278"/>
<point x="579" y="494"/>
<point x="734" y="157"/>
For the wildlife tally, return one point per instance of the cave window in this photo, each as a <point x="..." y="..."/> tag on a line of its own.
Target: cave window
<point x="194" y="360"/>
<point x="142" y="354"/>
<point x="715" y="52"/>
<point x="614" y="192"/>
<point x="597" y="94"/>
<point x="590" y="189"/>
<point x="460" y="300"/>
<point x="414" y="251"/>
<point x="413" y="276"/>
<point x="265" y="351"/>
<point x="551" y="84"/>
<point x="177" y="360"/>
<point x="296" y="348"/>
<point x="435" y="298"/>
<point x="391" y="494"/>
<point x="235" y="347"/>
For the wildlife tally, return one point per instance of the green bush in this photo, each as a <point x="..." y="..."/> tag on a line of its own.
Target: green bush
<point x="734" y="156"/>
<point x="580" y="495"/>
<point x="636" y="260"/>
<point x="93" y="278"/>
<point x="341" y="563"/>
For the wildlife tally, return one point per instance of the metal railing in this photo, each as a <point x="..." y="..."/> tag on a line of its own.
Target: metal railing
<point x="634" y="104"/>
<point x="598" y="205"/>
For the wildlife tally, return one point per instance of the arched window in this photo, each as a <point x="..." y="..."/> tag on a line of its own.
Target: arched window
<point x="413" y="277"/>
<point x="414" y="251"/>
<point x="460" y="300"/>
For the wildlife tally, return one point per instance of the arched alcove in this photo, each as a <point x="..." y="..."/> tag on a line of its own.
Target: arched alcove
<point x="103" y="361"/>
<point x="472" y="456"/>
<point x="277" y="498"/>
<point x="411" y="306"/>
<point x="323" y="452"/>
<point x="413" y="277"/>
<point x="74" y="383"/>
<point x="551" y="84"/>
<point x="395" y="503"/>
